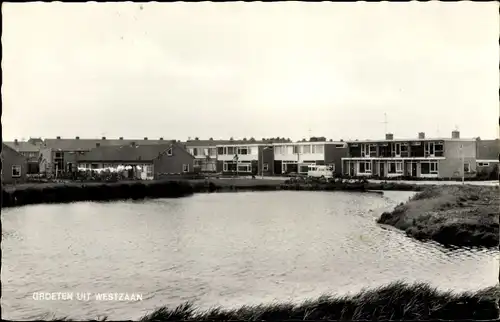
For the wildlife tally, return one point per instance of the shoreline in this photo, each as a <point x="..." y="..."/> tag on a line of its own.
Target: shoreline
<point x="49" y="193"/>
<point x="463" y="216"/>
<point x="396" y="301"/>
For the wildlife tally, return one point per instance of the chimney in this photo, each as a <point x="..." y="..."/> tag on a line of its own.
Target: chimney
<point x="104" y="138"/>
<point x="98" y="144"/>
<point x="455" y="134"/>
<point x="121" y="137"/>
<point x="58" y="137"/>
<point x="145" y="138"/>
<point x="78" y="138"/>
<point x="15" y="142"/>
<point x="421" y="135"/>
<point x="161" y="139"/>
<point x="132" y="143"/>
<point x="389" y="136"/>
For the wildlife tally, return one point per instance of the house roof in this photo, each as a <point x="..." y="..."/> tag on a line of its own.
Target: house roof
<point x="7" y="147"/>
<point x="487" y="149"/>
<point x="88" y="144"/>
<point x="129" y="153"/>
<point x="408" y="140"/>
<point x="213" y="143"/>
<point x="22" y="146"/>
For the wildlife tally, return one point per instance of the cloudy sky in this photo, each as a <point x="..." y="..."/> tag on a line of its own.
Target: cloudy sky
<point x="218" y="70"/>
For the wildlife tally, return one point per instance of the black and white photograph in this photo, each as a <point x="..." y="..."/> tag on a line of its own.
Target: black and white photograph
<point x="250" y="161"/>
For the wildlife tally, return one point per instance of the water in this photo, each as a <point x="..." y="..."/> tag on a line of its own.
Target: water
<point x="217" y="249"/>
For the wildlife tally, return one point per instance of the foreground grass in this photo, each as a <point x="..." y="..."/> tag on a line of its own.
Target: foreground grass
<point x="451" y="215"/>
<point x="397" y="301"/>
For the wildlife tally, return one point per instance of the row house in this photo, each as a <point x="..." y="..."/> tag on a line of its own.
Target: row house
<point x="421" y="157"/>
<point x="59" y="155"/>
<point x="487" y="155"/>
<point x="251" y="157"/>
<point x="296" y="157"/>
<point x="242" y="158"/>
<point x="204" y="153"/>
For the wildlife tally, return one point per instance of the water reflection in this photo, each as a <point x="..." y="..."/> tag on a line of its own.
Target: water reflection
<point x="218" y="249"/>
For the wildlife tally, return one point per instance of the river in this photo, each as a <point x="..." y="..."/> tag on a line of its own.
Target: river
<point x="223" y="249"/>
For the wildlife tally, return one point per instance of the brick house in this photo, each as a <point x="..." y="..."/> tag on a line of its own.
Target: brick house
<point x="420" y="157"/>
<point x="59" y="155"/>
<point x="14" y="166"/>
<point x="30" y="151"/>
<point x="296" y="157"/>
<point x="148" y="162"/>
<point x="487" y="156"/>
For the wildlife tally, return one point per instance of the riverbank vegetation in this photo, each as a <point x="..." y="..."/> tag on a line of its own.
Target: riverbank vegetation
<point x="36" y="193"/>
<point x="462" y="215"/>
<point x="397" y="301"/>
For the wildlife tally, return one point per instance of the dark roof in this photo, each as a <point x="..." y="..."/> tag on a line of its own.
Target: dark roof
<point x="88" y="144"/>
<point x="487" y="149"/>
<point x="22" y="146"/>
<point x="129" y="153"/>
<point x="6" y="147"/>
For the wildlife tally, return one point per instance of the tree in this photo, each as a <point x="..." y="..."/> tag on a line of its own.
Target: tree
<point x="211" y="139"/>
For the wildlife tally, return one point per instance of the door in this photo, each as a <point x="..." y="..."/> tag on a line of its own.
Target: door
<point x="381" y="169"/>
<point x="351" y="169"/>
<point x="413" y="169"/>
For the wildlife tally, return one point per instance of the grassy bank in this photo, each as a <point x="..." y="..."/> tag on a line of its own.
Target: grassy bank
<point x="36" y="193"/>
<point x="72" y="192"/>
<point x="397" y="301"/>
<point x="451" y="215"/>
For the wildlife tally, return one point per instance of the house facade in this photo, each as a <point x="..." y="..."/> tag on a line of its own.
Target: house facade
<point x="14" y="166"/>
<point x="238" y="158"/>
<point x="419" y="158"/>
<point x="296" y="157"/>
<point x="204" y="153"/>
<point x="487" y="157"/>
<point x="59" y="155"/>
<point x="30" y="151"/>
<point x="146" y="162"/>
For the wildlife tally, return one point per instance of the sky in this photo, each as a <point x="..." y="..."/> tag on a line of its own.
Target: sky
<point x="220" y="70"/>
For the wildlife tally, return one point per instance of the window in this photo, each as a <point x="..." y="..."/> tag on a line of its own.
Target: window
<point x="466" y="167"/>
<point x="185" y="168"/>
<point x="59" y="154"/>
<point x="399" y="167"/>
<point x="396" y="149"/>
<point x="197" y="162"/>
<point x="429" y="149"/>
<point x="230" y="150"/>
<point x="434" y="167"/>
<point x="340" y="146"/>
<point x="429" y="168"/>
<point x="365" y="167"/>
<point x="295" y="149"/>
<point x="195" y="151"/>
<point x="16" y="171"/>
<point x="306" y="149"/>
<point x="304" y="168"/>
<point x="373" y="150"/>
<point x="169" y="151"/>
<point x="149" y="170"/>
<point x="243" y="150"/>
<point x="212" y="151"/>
<point x="439" y="149"/>
<point x="483" y="164"/>
<point x="245" y="167"/>
<point x="279" y="149"/>
<point x="205" y="151"/>
<point x="320" y="149"/>
<point x="265" y="167"/>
